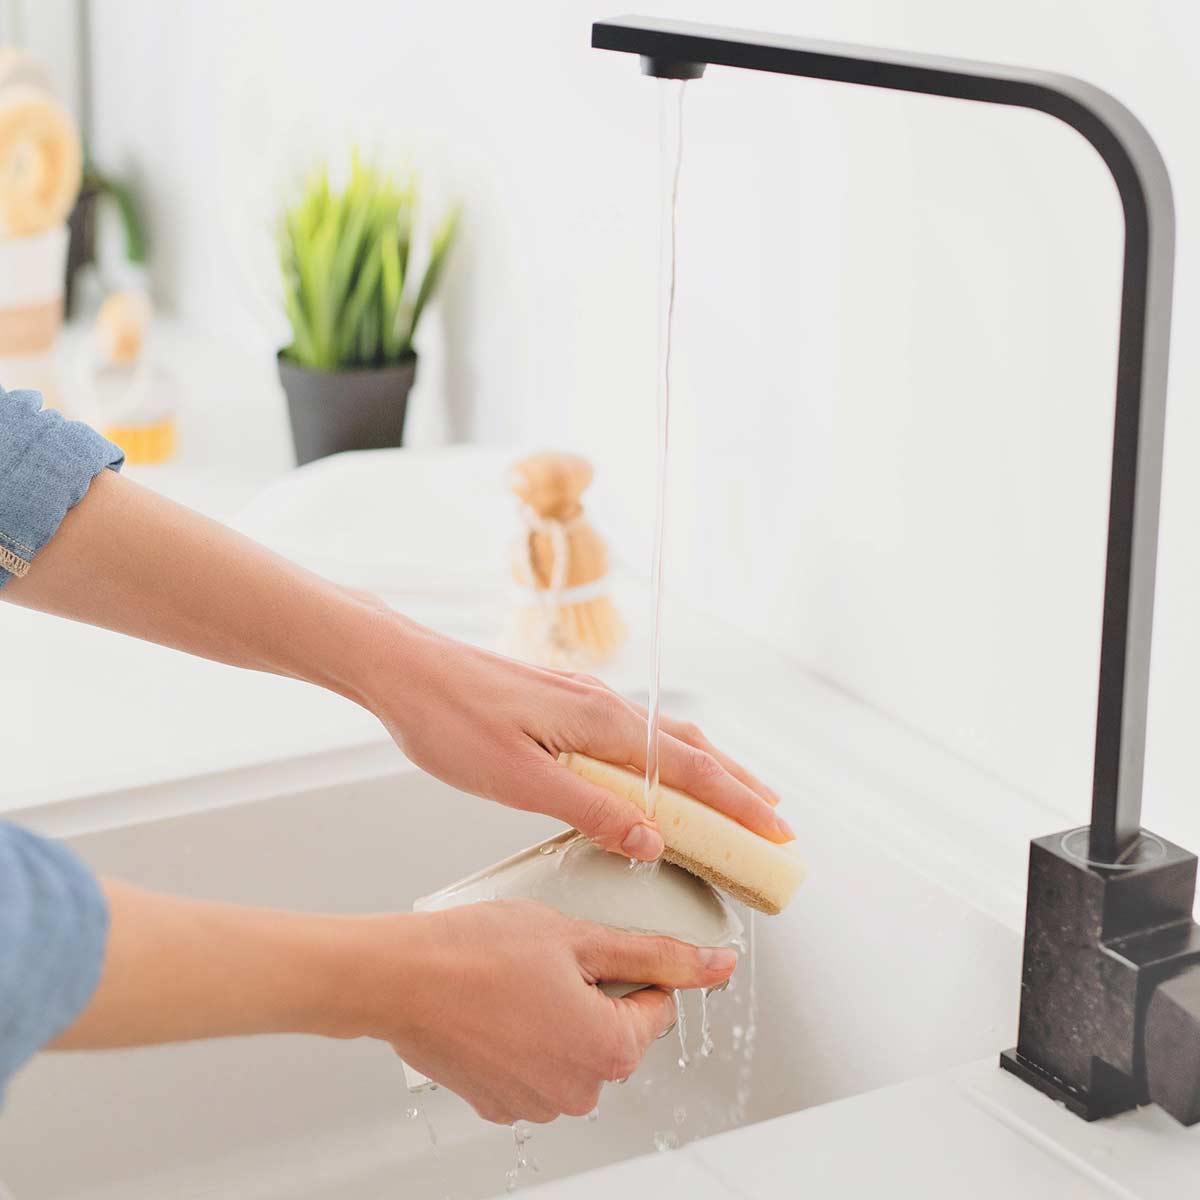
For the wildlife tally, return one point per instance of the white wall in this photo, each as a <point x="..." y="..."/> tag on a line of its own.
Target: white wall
<point x="896" y="322"/>
<point x="49" y="29"/>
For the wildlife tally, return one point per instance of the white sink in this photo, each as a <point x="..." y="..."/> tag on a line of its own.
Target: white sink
<point x="875" y="975"/>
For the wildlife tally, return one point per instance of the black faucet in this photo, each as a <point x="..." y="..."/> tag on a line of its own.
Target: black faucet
<point x="1110" y="986"/>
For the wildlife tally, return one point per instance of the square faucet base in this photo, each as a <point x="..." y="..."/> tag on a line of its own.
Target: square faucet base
<point x="1082" y="1104"/>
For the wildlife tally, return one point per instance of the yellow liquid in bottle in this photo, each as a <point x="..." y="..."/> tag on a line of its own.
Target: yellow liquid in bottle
<point x="144" y="444"/>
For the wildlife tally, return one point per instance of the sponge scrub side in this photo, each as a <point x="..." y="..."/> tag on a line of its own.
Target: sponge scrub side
<point x="702" y="840"/>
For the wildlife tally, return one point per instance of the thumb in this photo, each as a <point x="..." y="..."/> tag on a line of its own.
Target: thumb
<point x="610" y="821"/>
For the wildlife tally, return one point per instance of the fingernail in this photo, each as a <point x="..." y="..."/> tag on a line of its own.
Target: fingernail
<point x="773" y="797"/>
<point x="643" y="842"/>
<point x="718" y="960"/>
<point x="784" y="828"/>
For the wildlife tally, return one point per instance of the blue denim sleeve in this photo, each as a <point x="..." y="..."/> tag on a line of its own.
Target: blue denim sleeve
<point x="53" y="929"/>
<point x="53" y="916"/>
<point x="46" y="465"/>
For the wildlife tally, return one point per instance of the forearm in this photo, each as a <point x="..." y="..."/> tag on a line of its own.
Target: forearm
<point x="177" y="969"/>
<point x="130" y="560"/>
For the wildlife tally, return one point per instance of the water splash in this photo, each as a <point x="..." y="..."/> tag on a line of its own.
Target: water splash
<point x="522" y="1159"/>
<point x="681" y="1026"/>
<point x="666" y="1139"/>
<point x="706" y="1040"/>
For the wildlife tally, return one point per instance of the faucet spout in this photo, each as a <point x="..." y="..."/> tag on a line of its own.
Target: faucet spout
<point x="678" y="49"/>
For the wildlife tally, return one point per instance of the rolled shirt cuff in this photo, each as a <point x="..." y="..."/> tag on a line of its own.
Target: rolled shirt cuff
<point x="47" y="464"/>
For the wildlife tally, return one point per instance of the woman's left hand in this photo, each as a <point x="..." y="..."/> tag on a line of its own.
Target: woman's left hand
<point x="494" y="727"/>
<point x="131" y="561"/>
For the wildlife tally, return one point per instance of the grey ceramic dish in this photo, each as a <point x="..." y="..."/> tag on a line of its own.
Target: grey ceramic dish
<point x="568" y="873"/>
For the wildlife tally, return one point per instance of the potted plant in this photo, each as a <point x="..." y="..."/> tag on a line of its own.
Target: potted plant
<point x="354" y="309"/>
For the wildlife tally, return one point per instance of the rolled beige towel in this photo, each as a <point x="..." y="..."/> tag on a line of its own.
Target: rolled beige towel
<point x="41" y="161"/>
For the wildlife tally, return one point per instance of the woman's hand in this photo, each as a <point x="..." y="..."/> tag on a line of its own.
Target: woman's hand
<point x="131" y="561"/>
<point x="495" y="727"/>
<point x="502" y="1006"/>
<point x="498" y="1001"/>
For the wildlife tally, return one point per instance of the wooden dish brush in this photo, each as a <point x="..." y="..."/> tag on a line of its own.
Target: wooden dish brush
<point x="562" y="616"/>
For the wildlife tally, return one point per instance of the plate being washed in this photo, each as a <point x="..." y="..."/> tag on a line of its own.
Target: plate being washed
<point x="570" y="874"/>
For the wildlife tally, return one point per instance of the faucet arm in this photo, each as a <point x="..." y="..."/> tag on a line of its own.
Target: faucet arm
<point x="679" y="49"/>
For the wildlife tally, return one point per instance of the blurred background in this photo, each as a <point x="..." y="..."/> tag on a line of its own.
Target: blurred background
<point x="896" y="324"/>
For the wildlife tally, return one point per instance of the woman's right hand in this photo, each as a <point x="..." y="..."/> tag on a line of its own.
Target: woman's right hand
<point x="499" y="1002"/>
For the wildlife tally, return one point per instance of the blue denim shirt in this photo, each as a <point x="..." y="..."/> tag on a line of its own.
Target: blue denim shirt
<point x="53" y="917"/>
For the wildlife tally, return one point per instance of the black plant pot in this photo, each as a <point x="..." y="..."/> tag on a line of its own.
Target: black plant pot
<point x="333" y="411"/>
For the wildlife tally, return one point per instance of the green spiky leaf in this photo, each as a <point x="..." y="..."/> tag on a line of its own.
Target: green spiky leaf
<point x="344" y="259"/>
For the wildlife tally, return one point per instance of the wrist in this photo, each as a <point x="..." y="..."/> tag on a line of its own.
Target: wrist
<point x="386" y="665"/>
<point x="370" y="971"/>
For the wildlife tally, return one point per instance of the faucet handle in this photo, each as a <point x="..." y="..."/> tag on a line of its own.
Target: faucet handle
<point x="1173" y="1045"/>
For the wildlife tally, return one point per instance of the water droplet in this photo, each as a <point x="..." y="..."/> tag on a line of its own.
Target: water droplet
<point x="666" y="1139"/>
<point x="594" y="1115"/>
<point x="534" y="1165"/>
<point x="680" y="1114"/>
<point x="510" y="1181"/>
<point x="521" y="1132"/>
<point x="551" y="849"/>
<point x="412" y="1113"/>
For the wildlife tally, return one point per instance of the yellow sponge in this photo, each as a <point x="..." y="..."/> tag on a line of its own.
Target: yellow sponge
<point x="706" y="842"/>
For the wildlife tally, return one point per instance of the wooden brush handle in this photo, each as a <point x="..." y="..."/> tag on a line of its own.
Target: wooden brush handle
<point x="587" y="558"/>
<point x="551" y="484"/>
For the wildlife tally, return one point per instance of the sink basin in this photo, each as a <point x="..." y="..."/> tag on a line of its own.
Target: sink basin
<point x="874" y="975"/>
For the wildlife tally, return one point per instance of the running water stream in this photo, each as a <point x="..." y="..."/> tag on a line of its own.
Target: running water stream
<point x="670" y="112"/>
<point x="671" y="93"/>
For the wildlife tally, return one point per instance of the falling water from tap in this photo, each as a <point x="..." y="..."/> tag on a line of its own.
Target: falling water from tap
<point x="671" y="158"/>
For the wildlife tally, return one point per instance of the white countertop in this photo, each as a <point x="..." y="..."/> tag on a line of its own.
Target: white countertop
<point x="974" y="1132"/>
